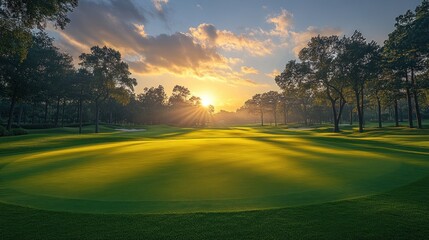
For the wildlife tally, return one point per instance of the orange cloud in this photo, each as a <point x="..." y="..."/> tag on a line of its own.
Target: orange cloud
<point x="208" y="35"/>
<point x="249" y="70"/>
<point x="119" y="25"/>
<point x="273" y="74"/>
<point x="282" y="22"/>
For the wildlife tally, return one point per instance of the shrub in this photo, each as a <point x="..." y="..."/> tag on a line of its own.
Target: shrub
<point x="3" y="131"/>
<point x="19" y="131"/>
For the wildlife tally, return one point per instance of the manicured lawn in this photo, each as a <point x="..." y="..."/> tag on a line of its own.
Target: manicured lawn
<point x="240" y="182"/>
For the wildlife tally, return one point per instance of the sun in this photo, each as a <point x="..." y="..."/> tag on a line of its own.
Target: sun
<point x="206" y="100"/>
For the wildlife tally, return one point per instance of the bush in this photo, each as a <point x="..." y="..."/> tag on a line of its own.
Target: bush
<point x="35" y="126"/>
<point x="3" y="131"/>
<point x="19" y="131"/>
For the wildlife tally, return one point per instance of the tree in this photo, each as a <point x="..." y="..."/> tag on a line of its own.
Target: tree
<point x="153" y="101"/>
<point x="59" y="74"/>
<point x="295" y="82"/>
<point x="326" y="72"/>
<point x="270" y="100"/>
<point x="186" y="110"/>
<point x="19" y="17"/>
<point x="81" y="91"/>
<point x="22" y="79"/>
<point x="406" y="50"/>
<point x="377" y="92"/>
<point x="180" y="96"/>
<point x="361" y="64"/>
<point x="257" y="104"/>
<point x="110" y="77"/>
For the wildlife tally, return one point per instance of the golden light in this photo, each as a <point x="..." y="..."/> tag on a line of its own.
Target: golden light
<point x="206" y="100"/>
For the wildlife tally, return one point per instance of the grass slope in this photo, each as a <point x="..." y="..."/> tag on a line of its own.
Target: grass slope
<point x="370" y="163"/>
<point x="399" y="214"/>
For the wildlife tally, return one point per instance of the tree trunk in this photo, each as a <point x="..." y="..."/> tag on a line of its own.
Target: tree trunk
<point x="340" y="113"/>
<point x="57" y="113"/>
<point x="62" y="114"/>
<point x="21" y="109"/>
<point x="275" y="117"/>
<point x="80" y="115"/>
<point x="416" y="101"/>
<point x="305" y="115"/>
<point x="285" y="115"/>
<point x="12" y="107"/>
<point x="351" y="116"/>
<point x="262" y="118"/>
<point x="401" y="115"/>
<point x="362" y="110"/>
<point x="334" y="113"/>
<point x="33" y="113"/>
<point x="410" y="105"/>
<point x="417" y="107"/>
<point x="359" y="111"/>
<point x="76" y="120"/>
<point x="396" y="113"/>
<point x="46" y="111"/>
<point x="97" y="117"/>
<point x="380" y="125"/>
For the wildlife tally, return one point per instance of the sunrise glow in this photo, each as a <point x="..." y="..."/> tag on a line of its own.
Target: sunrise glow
<point x="206" y="100"/>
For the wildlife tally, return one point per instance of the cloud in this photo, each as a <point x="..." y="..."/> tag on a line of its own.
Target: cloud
<point x="249" y="70"/>
<point x="283" y="23"/>
<point x="113" y="22"/>
<point x="120" y="25"/>
<point x="285" y="37"/>
<point x="300" y="39"/>
<point x="159" y="5"/>
<point x="209" y="36"/>
<point x="139" y="28"/>
<point x="273" y="74"/>
<point x="176" y="53"/>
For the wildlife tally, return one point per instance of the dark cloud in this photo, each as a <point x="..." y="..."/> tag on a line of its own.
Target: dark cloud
<point x="210" y="31"/>
<point x="95" y="22"/>
<point x="177" y="53"/>
<point x="118" y="24"/>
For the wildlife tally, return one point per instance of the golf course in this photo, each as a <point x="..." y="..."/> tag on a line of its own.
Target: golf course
<point x="238" y="182"/>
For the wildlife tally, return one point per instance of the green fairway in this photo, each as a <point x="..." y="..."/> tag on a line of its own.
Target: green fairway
<point x="173" y="170"/>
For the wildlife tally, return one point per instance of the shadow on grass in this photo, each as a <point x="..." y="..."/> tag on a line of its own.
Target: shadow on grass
<point x="400" y="214"/>
<point x="43" y="142"/>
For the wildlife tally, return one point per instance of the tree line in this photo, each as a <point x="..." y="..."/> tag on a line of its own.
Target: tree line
<point x="339" y="73"/>
<point x="40" y="86"/>
<point x="46" y="90"/>
<point x="335" y="79"/>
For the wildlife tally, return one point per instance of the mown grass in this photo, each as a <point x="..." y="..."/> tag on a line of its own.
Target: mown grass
<point x="348" y="185"/>
<point x="399" y="214"/>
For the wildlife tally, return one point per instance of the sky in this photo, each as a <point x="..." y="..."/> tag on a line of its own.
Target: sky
<point x="225" y="51"/>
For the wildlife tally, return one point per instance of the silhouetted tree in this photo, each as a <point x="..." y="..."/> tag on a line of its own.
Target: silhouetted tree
<point x="19" y="17"/>
<point x="22" y="79"/>
<point x="361" y="64"/>
<point x="406" y="51"/>
<point x="327" y="72"/>
<point x="153" y="102"/>
<point x="270" y="100"/>
<point x="110" y="77"/>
